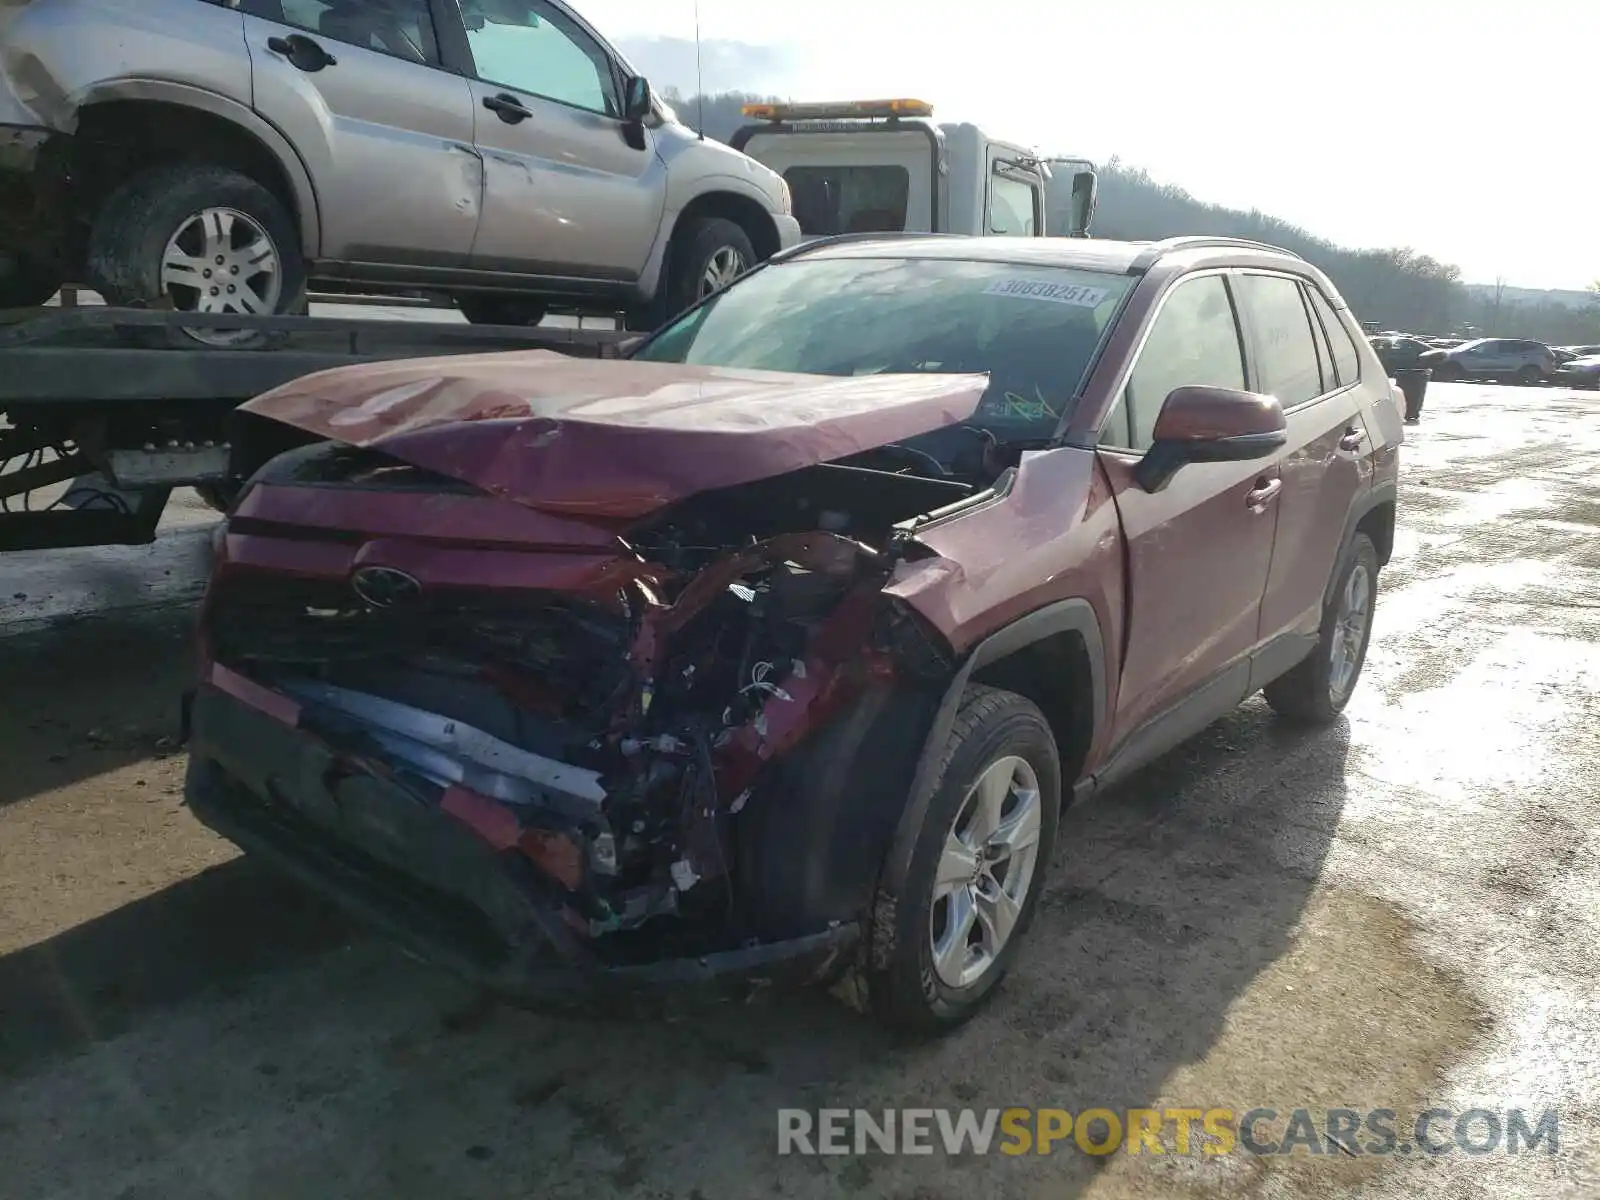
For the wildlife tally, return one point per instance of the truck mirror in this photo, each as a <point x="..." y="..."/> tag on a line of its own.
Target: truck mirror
<point x="1085" y="194"/>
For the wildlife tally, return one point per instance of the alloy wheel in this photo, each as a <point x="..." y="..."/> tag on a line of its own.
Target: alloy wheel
<point x="726" y="265"/>
<point x="1349" y="634"/>
<point x="222" y="261"/>
<point x="985" y="871"/>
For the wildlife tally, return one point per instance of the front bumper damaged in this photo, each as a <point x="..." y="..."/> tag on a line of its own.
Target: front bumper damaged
<point x="433" y="876"/>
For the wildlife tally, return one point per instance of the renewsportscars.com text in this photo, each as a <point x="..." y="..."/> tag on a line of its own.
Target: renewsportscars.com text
<point x="1182" y="1131"/>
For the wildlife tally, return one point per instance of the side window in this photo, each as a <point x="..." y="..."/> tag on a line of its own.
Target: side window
<point x="1345" y="357"/>
<point x="1194" y="341"/>
<point x="1010" y="207"/>
<point x="533" y="48"/>
<point x="1280" y="330"/>
<point x="400" y="28"/>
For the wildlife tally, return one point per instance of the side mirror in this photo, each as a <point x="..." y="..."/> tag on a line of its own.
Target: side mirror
<point x="637" y="99"/>
<point x="1210" y="424"/>
<point x="1085" y="195"/>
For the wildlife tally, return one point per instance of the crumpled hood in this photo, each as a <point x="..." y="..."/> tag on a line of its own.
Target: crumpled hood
<point x="610" y="438"/>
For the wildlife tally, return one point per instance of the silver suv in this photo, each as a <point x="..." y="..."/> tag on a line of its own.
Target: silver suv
<point x="1515" y="360"/>
<point x="216" y="155"/>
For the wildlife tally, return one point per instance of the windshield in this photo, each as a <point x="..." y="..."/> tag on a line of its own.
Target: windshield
<point x="1034" y="330"/>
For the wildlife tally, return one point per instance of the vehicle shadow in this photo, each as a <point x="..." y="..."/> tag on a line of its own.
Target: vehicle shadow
<point x="78" y="698"/>
<point x="211" y="932"/>
<point x="362" y="1074"/>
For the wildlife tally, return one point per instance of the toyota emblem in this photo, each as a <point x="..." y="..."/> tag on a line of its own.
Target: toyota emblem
<point x="385" y="587"/>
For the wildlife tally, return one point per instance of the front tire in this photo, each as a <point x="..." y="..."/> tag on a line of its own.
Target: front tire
<point x="201" y="239"/>
<point x="1316" y="691"/>
<point x="706" y="255"/>
<point x="943" y="933"/>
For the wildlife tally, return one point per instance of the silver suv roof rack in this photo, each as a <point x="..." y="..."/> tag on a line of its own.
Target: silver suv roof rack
<point x="1200" y="241"/>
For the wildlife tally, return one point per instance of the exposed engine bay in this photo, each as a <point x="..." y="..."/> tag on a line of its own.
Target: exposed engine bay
<point x="611" y="727"/>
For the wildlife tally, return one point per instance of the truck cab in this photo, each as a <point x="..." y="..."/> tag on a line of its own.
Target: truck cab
<point x="879" y="166"/>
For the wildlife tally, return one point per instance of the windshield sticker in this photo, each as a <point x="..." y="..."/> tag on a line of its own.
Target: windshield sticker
<point x="1075" y="294"/>
<point x="1016" y="407"/>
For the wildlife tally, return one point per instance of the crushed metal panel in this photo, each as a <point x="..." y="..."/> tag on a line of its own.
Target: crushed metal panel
<point x="618" y="439"/>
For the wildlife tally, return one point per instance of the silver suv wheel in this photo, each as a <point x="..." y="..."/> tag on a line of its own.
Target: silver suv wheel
<point x="222" y="260"/>
<point x="726" y="265"/>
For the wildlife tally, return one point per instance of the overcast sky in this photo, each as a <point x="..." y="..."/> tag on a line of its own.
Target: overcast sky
<point x="1468" y="130"/>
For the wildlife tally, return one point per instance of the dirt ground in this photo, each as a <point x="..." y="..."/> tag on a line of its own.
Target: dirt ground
<point x="1399" y="912"/>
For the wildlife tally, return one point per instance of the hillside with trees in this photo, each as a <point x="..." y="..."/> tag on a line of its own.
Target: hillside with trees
<point x="1399" y="288"/>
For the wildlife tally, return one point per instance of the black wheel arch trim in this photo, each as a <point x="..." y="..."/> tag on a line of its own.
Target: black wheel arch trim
<point x="1065" y="616"/>
<point x="1377" y="496"/>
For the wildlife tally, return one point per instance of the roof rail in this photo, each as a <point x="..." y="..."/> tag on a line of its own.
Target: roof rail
<point x="1147" y="258"/>
<point x="836" y="239"/>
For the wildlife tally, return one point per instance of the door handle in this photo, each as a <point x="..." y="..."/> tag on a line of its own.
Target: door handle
<point x="1258" y="497"/>
<point x="508" y="108"/>
<point x="1352" y="439"/>
<point x="302" y="52"/>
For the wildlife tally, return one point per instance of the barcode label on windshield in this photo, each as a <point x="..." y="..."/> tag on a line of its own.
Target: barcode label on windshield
<point x="1075" y="294"/>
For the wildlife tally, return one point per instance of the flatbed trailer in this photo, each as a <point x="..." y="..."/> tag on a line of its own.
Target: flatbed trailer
<point x="83" y="405"/>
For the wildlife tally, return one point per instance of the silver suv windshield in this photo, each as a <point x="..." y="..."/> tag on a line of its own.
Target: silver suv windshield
<point x="1034" y="330"/>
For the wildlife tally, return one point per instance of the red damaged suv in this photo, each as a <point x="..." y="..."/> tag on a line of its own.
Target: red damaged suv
<point x="772" y="652"/>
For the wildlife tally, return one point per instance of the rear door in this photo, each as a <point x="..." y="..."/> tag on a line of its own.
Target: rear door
<point x="1198" y="550"/>
<point x="565" y="194"/>
<point x="385" y="131"/>
<point x="1303" y="353"/>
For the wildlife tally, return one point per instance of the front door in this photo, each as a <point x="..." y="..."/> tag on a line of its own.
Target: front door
<point x="1304" y="355"/>
<point x="386" y="134"/>
<point x="1198" y="550"/>
<point x="565" y="194"/>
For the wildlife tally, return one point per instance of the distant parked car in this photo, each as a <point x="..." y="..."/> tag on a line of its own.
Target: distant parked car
<point x="1568" y="353"/>
<point x="1400" y="352"/>
<point x="1505" y="359"/>
<point x="1580" y="372"/>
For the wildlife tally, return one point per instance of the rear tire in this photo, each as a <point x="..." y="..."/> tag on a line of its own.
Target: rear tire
<point x="707" y="254"/>
<point x="1316" y="691"/>
<point x="932" y="960"/>
<point x="26" y="283"/>
<point x="180" y="236"/>
<point x="1529" y="376"/>
<point x="501" y="310"/>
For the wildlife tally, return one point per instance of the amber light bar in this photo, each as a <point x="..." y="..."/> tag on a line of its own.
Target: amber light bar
<point x="828" y="110"/>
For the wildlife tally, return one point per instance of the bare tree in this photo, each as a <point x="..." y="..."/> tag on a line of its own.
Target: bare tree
<point x="1494" y="312"/>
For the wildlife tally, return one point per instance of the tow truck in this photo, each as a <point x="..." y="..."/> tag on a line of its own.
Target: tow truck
<point x="875" y="166"/>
